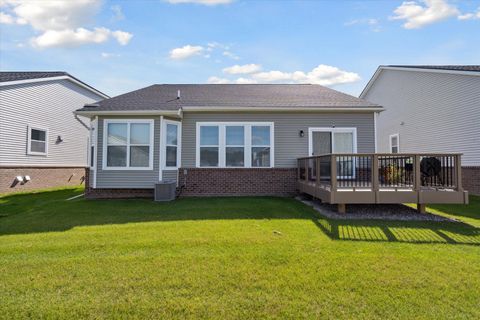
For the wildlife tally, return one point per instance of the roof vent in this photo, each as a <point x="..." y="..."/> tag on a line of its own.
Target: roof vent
<point x="178" y="94"/>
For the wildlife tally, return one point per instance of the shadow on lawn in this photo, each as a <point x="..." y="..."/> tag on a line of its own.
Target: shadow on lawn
<point x="400" y="231"/>
<point x="48" y="211"/>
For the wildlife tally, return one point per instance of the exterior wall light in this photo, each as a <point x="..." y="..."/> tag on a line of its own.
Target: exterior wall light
<point x="301" y="134"/>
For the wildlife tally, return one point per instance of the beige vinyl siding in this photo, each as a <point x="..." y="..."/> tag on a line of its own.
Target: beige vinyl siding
<point x="440" y="112"/>
<point x="128" y="178"/>
<point x="288" y="144"/>
<point x="50" y="105"/>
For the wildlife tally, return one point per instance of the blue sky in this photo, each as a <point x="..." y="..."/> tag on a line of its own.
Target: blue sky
<point x="118" y="46"/>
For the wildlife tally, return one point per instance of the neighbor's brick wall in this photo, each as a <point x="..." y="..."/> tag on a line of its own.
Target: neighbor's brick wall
<point x="41" y="178"/>
<point x="471" y="179"/>
<point x="238" y="182"/>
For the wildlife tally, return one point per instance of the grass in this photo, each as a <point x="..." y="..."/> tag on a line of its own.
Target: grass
<point x="230" y="258"/>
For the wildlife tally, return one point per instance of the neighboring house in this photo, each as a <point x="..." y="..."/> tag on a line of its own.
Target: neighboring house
<point x="430" y="109"/>
<point x="42" y="143"/>
<point x="220" y="139"/>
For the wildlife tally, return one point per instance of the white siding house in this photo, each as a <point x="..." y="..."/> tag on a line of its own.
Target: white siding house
<point x="430" y="109"/>
<point x="38" y="130"/>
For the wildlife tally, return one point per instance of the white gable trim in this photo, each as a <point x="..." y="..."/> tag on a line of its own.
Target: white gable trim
<point x="10" y="83"/>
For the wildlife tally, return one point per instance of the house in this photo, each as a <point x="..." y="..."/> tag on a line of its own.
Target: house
<point x="220" y="139"/>
<point x="430" y="109"/>
<point x="42" y="143"/>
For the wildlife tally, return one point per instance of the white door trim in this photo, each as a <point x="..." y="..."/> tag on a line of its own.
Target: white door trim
<point x="311" y="130"/>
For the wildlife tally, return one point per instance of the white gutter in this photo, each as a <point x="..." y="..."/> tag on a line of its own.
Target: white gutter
<point x="281" y="109"/>
<point x="11" y="83"/>
<point x="172" y="113"/>
<point x="179" y="113"/>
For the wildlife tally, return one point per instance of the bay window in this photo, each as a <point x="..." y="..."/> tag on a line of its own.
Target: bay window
<point x="129" y="144"/>
<point x="234" y="144"/>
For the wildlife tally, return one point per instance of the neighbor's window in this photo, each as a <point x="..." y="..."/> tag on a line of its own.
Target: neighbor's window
<point x="243" y="145"/>
<point x="394" y="143"/>
<point x="129" y="144"/>
<point x="37" y="141"/>
<point x="171" y="145"/>
<point x="209" y="146"/>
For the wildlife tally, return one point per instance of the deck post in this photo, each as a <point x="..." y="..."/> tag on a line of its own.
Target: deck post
<point x="342" y="208"/>
<point x="317" y="172"/>
<point x="333" y="177"/>
<point x="458" y="164"/>
<point x="375" y="182"/>
<point x="417" y="175"/>
<point x="421" y="208"/>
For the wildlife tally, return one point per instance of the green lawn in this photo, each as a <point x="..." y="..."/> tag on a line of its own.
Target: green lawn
<point x="230" y="258"/>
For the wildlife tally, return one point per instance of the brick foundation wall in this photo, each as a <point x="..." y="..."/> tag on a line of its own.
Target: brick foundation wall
<point x="471" y="180"/>
<point x="41" y="178"/>
<point x="238" y="182"/>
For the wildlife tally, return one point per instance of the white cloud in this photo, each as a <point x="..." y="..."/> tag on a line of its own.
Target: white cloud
<point x="217" y="80"/>
<point x="61" y="22"/>
<point x="244" y="69"/>
<point x="370" y="22"/>
<point x="107" y="55"/>
<point x="122" y="37"/>
<point x="231" y="55"/>
<point x="78" y="37"/>
<point x="322" y="75"/>
<point x="204" y="2"/>
<point x="245" y="81"/>
<point x="6" y="18"/>
<point x="418" y="15"/>
<point x="185" y="52"/>
<point x="117" y="13"/>
<point x="470" y="15"/>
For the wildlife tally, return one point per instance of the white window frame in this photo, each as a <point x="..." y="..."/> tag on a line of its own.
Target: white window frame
<point x="247" y="143"/>
<point x="29" y="141"/>
<point x="93" y="143"/>
<point x="331" y="130"/>
<point x="164" y="125"/>
<point x="106" y="122"/>
<point x="390" y="138"/>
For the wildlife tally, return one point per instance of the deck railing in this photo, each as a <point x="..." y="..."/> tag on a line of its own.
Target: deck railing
<point x="383" y="171"/>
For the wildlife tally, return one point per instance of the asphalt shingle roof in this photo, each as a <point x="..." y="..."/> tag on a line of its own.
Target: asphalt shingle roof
<point x="164" y="97"/>
<point x="26" y="75"/>
<point x="473" y="68"/>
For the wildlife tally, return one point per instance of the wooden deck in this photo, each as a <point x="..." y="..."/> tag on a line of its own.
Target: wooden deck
<point x="383" y="178"/>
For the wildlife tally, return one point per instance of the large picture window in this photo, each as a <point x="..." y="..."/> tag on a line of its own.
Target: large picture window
<point x="37" y="141"/>
<point x="209" y="146"/>
<point x="129" y="144"/>
<point x="235" y="144"/>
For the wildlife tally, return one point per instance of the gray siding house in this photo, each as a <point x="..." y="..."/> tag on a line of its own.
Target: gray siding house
<point x="42" y="143"/>
<point x="430" y="109"/>
<point x="220" y="139"/>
